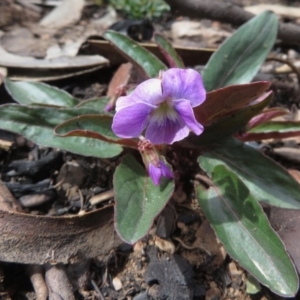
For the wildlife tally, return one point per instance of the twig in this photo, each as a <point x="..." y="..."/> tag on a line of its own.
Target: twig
<point x="227" y="12"/>
<point x="287" y="62"/>
<point x="191" y="247"/>
<point x="38" y="282"/>
<point x="97" y="290"/>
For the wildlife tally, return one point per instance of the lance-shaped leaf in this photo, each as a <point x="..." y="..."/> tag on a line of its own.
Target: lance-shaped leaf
<point x="37" y="124"/>
<point x="241" y="55"/>
<point x="138" y="200"/>
<point x="92" y="126"/>
<point x="266" y="116"/>
<point x="267" y="181"/>
<point x="243" y="228"/>
<point x="98" y="104"/>
<point x="166" y="48"/>
<point x="135" y="53"/>
<point x="228" y="100"/>
<point x="29" y="93"/>
<point x="228" y="125"/>
<point x="272" y="130"/>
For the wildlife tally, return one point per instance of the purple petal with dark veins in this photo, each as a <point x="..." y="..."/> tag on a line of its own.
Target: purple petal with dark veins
<point x="183" y="84"/>
<point x="185" y="111"/>
<point x="166" y="130"/>
<point x="130" y="121"/>
<point x="155" y="173"/>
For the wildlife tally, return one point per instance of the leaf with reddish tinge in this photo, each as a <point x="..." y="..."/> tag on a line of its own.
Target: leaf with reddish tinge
<point x="37" y="124"/>
<point x="228" y="125"/>
<point x="92" y="126"/>
<point x="136" y="54"/>
<point x="267" y="115"/>
<point x="239" y="58"/>
<point x="228" y="100"/>
<point x="29" y="93"/>
<point x="166" y="48"/>
<point x="272" y="130"/>
<point x="267" y="181"/>
<point x="243" y="228"/>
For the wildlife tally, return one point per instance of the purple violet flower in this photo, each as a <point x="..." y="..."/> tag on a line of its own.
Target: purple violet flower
<point x="163" y="107"/>
<point x="155" y="166"/>
<point x="157" y="172"/>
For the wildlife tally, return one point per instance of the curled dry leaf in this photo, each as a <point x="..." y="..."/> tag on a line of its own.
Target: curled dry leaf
<point x="81" y="61"/>
<point x="67" y="13"/>
<point x="39" y="239"/>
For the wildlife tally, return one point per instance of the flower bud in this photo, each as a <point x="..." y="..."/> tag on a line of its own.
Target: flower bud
<point x="154" y="165"/>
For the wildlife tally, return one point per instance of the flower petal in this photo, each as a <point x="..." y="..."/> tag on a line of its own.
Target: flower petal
<point x="130" y="121"/>
<point x="165" y="171"/>
<point x="155" y="173"/>
<point x="166" y="129"/>
<point x="185" y="111"/>
<point x="148" y="91"/>
<point x="183" y="84"/>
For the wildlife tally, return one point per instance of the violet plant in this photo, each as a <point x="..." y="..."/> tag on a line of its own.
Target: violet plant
<point x="174" y="113"/>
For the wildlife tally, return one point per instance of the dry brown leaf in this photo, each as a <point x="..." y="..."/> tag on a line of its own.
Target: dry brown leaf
<point x="292" y="154"/>
<point x="81" y="61"/>
<point x="206" y="239"/>
<point x="295" y="174"/>
<point x="32" y="239"/>
<point x="67" y="13"/>
<point x="281" y="10"/>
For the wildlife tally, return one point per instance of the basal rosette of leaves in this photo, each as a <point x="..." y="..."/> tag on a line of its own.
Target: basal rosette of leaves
<point x="177" y="109"/>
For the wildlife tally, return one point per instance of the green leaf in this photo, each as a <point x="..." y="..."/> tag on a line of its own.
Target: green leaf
<point x="138" y="200"/>
<point x="98" y="104"/>
<point x="37" y="124"/>
<point x="135" y="53"/>
<point x="29" y="93"/>
<point x="253" y="286"/>
<point x="228" y="125"/>
<point x="92" y="126"/>
<point x="168" y="51"/>
<point x="272" y="130"/>
<point x="243" y="228"/>
<point x="267" y="181"/>
<point x="241" y="55"/>
<point x="277" y="126"/>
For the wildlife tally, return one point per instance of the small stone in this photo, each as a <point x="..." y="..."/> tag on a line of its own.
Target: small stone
<point x="164" y="245"/>
<point x="213" y="294"/>
<point x="117" y="283"/>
